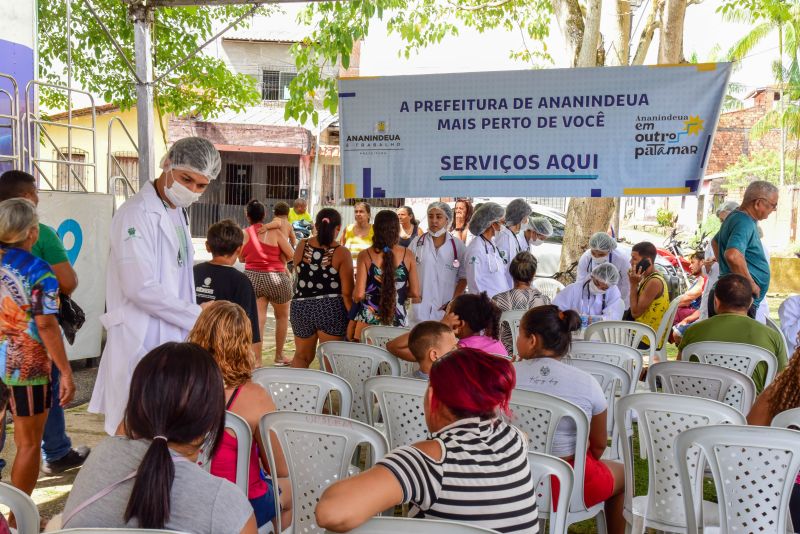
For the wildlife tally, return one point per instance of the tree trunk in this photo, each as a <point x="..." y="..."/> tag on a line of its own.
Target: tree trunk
<point x="670" y="44"/>
<point x="570" y="21"/>
<point x="620" y="48"/>
<point x="649" y="30"/>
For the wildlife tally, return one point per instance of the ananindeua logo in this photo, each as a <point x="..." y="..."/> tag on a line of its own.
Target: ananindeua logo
<point x="380" y="139"/>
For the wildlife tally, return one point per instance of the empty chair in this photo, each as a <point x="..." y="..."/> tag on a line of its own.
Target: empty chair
<point x="244" y="442"/>
<point x="379" y="336"/>
<point x="704" y="380"/>
<point x="787" y="419"/>
<point x="304" y="390"/>
<point x="404" y="525"/>
<point x="754" y="470"/>
<point x="109" y="531"/>
<point x="318" y="451"/>
<point x="664" y="328"/>
<point x="543" y="466"/>
<point x="355" y="362"/>
<point x="401" y="404"/>
<point x="23" y="508"/>
<point x="548" y="287"/>
<point x="738" y="356"/>
<point x="628" y="333"/>
<point x="661" y="418"/>
<point x="511" y="320"/>
<point x="622" y="356"/>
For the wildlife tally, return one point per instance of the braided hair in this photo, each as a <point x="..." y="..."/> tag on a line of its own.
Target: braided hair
<point x="386" y="235"/>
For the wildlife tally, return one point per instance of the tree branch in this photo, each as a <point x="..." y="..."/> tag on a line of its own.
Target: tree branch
<point x="489" y="5"/>
<point x="587" y="57"/>
<point x="653" y="23"/>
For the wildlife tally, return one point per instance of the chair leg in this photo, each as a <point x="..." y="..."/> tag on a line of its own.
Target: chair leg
<point x="601" y="523"/>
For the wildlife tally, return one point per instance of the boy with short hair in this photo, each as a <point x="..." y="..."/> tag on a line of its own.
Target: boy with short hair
<point x="218" y="279"/>
<point x="428" y="341"/>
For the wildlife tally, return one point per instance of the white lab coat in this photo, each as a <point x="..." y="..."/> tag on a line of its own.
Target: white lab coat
<point x="485" y="268"/>
<point x="577" y="297"/>
<point x="620" y="260"/>
<point x="789" y="314"/>
<point x="437" y="274"/>
<point x="509" y="245"/>
<point x="144" y="284"/>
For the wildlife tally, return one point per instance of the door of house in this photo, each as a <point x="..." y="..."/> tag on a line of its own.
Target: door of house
<point x="238" y="183"/>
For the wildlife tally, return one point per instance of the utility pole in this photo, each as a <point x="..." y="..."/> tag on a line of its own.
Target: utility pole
<point x="142" y="16"/>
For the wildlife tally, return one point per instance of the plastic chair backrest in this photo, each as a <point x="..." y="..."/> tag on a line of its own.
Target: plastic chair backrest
<point x="542" y="467"/>
<point x="738" y="356"/>
<point x="612" y="379"/>
<point x="355" y="362"/>
<point x="624" y="356"/>
<point x="548" y="287"/>
<point x="244" y="441"/>
<point x="110" y="531"/>
<point x="403" y="525"/>
<point x="537" y="415"/>
<point x="379" y="336"/>
<point x="787" y="419"/>
<point x="304" y="390"/>
<point x="22" y="506"/>
<point x="628" y="333"/>
<point x="318" y="451"/>
<point x="401" y="404"/>
<point x="665" y="327"/>
<point x="754" y="470"/>
<point x="662" y="417"/>
<point x="772" y="324"/>
<point x="713" y="382"/>
<point x="511" y="319"/>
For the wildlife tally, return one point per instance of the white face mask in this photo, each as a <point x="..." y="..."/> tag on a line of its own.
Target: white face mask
<point x="600" y="260"/>
<point x="180" y="195"/>
<point x="594" y="290"/>
<point x="535" y="242"/>
<point x="439" y="233"/>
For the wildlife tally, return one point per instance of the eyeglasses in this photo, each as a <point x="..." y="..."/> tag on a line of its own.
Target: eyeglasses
<point x="772" y="205"/>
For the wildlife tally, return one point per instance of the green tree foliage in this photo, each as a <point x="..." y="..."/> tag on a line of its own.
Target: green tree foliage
<point x="203" y="86"/>
<point x="763" y="165"/>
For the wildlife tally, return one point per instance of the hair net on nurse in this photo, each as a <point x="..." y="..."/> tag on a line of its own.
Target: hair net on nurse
<point x="517" y="211"/>
<point x="602" y="241"/>
<point x="193" y="154"/>
<point x="443" y="206"/>
<point x="607" y="273"/>
<point x="484" y="216"/>
<point x="541" y="226"/>
<point x="728" y="206"/>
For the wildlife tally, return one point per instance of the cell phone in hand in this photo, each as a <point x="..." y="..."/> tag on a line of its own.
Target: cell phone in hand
<point x="642" y="266"/>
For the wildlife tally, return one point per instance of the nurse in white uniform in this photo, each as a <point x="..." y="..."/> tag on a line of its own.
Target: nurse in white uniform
<point x="150" y="297"/>
<point x="511" y="239"/>
<point x="441" y="265"/>
<point x="595" y="299"/>
<point x="537" y="230"/>
<point x="603" y="249"/>
<point x="485" y="268"/>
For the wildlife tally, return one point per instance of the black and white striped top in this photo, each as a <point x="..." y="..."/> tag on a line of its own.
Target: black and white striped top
<point x="483" y="477"/>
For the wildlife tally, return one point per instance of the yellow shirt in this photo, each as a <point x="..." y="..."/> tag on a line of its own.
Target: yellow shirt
<point x="356" y="244"/>
<point x="655" y="312"/>
<point x="294" y="216"/>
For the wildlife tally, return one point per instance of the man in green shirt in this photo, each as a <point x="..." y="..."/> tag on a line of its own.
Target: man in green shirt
<point x="57" y="450"/>
<point x="732" y="298"/>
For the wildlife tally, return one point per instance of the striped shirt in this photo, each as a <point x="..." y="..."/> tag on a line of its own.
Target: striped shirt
<point x="517" y="299"/>
<point x="483" y="477"/>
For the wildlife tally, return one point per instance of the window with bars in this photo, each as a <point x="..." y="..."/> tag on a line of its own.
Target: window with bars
<point x="70" y="177"/>
<point x="126" y="164"/>
<point x="238" y="183"/>
<point x="275" y="84"/>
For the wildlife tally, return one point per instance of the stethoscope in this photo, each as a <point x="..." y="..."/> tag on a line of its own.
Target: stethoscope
<point x="589" y="297"/>
<point x="421" y="243"/>
<point x="181" y="260"/>
<point x="589" y="266"/>
<point x="493" y="256"/>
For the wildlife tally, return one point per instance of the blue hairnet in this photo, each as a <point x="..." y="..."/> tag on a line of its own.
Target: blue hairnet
<point x="541" y="225"/>
<point x="488" y="213"/>
<point x="517" y="211"/>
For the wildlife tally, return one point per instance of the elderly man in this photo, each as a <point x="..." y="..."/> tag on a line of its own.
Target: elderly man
<point x="738" y="244"/>
<point x="733" y="298"/>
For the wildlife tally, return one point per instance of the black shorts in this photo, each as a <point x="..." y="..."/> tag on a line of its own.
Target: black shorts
<point x="312" y="315"/>
<point x="26" y="401"/>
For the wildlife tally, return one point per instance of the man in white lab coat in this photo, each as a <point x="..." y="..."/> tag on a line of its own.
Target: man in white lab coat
<point x="150" y="297"/>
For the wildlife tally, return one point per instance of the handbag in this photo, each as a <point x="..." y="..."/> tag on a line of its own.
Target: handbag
<point x="70" y="316"/>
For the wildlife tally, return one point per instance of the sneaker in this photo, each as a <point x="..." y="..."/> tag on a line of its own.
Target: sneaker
<point x="74" y="458"/>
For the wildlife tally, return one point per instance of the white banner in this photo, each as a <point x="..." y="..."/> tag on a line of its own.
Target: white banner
<point x="599" y="132"/>
<point x="83" y="222"/>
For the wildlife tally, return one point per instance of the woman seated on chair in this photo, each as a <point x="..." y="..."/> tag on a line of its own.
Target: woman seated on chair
<point x="149" y="478"/>
<point x="596" y="298"/>
<point x="474" y="469"/>
<point x="545" y="334"/>
<point x="474" y="320"/>
<point x="781" y="395"/>
<point x="222" y="330"/>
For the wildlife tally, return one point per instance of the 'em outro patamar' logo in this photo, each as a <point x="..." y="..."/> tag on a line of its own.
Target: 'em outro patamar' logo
<point x="654" y="139"/>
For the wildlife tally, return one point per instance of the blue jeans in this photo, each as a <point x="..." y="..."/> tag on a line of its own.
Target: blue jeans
<point x="55" y="442"/>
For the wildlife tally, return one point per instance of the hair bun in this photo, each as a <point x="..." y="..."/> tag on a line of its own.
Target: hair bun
<point x="570" y="320"/>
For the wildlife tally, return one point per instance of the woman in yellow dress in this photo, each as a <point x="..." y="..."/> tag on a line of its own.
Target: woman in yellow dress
<point x="358" y="236"/>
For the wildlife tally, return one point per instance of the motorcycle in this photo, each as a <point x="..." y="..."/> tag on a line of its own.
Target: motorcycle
<point x="302" y="229"/>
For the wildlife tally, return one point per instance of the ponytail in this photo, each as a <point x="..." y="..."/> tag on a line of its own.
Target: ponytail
<point x="149" y="502"/>
<point x="328" y="220"/>
<point x="553" y="327"/>
<point x="386" y="234"/>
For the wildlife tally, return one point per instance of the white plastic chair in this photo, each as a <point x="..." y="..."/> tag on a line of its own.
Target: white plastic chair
<point x="624" y="356"/>
<point x="628" y="333"/>
<point x="754" y="470"/>
<point x="612" y="379"/>
<point x="23" y="508"/>
<point x="538" y="415"/>
<point x="304" y="390"/>
<point x="772" y="324"/>
<point x="665" y="327"/>
<point x="713" y="382"/>
<point x="511" y="320"/>
<point x="400" y="401"/>
<point x="738" y="356"/>
<point x="403" y="525"/>
<point x="107" y="531"/>
<point x="543" y="466"/>
<point x="244" y="442"/>
<point x="548" y="287"/>
<point x="318" y="451"/>
<point x="787" y="419"/>
<point x="379" y="336"/>
<point x="662" y="417"/>
<point x="355" y="362"/>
